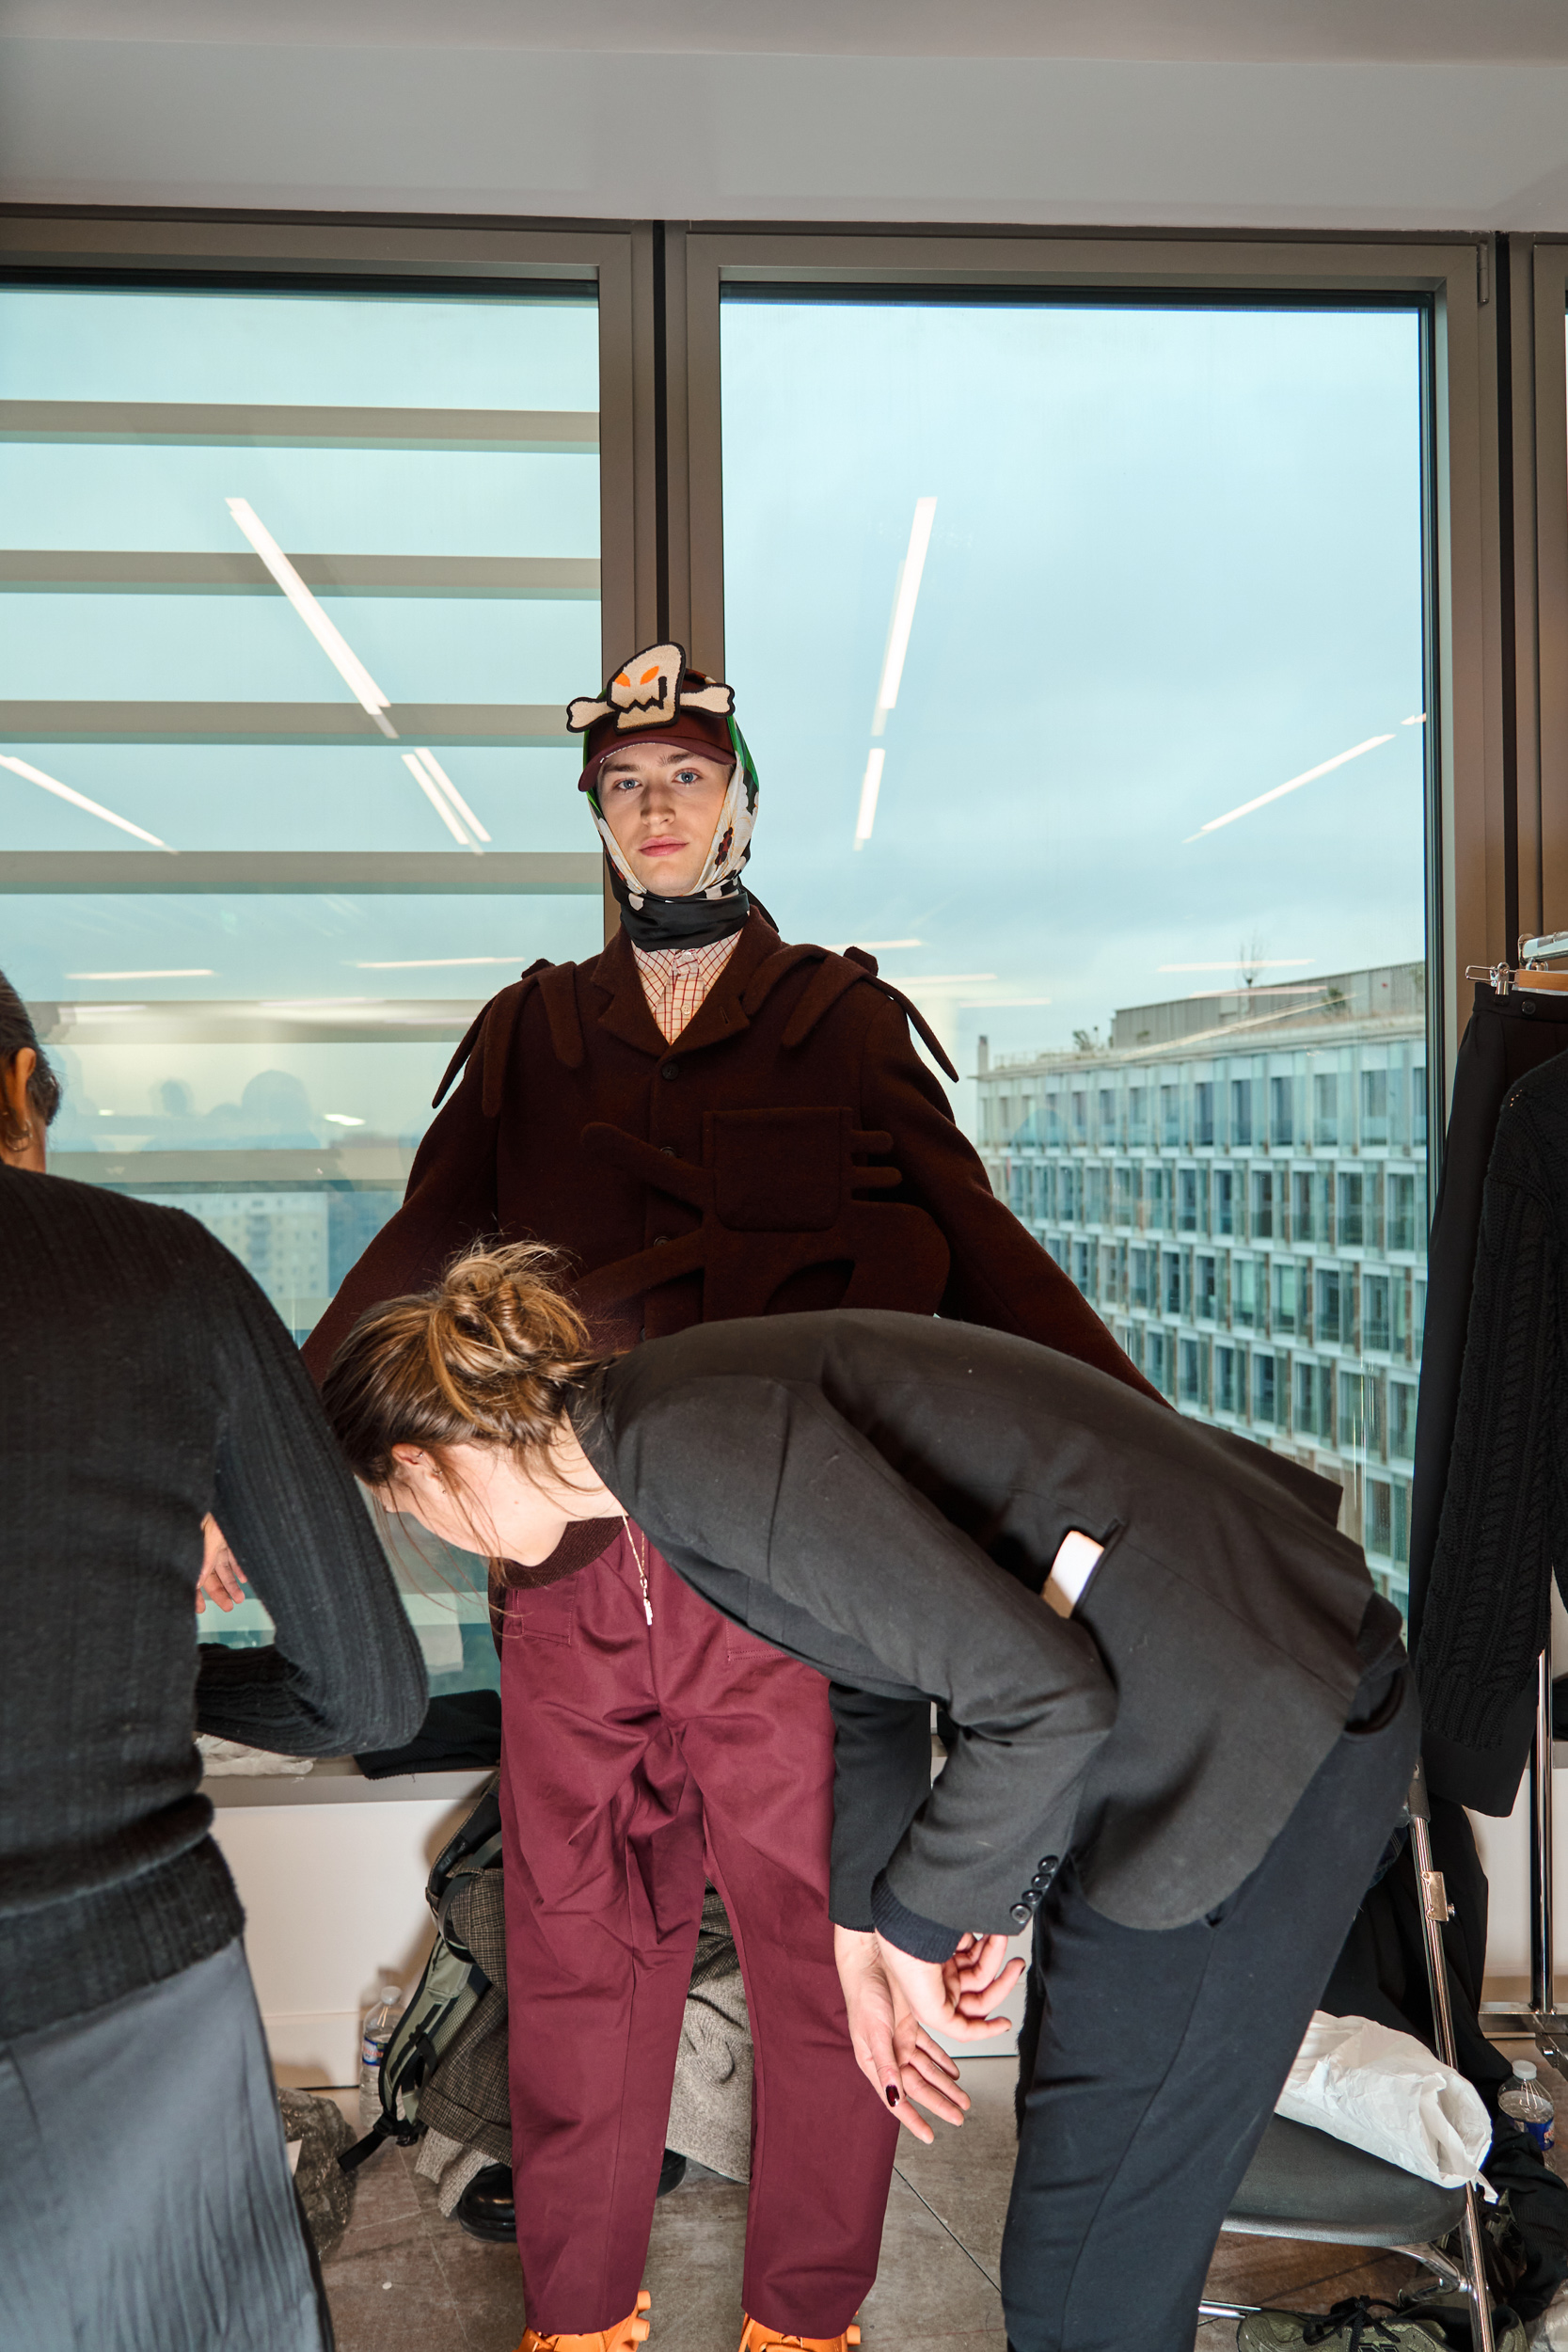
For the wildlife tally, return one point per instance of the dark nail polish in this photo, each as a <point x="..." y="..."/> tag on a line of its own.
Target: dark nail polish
<point x="892" y="2096"/>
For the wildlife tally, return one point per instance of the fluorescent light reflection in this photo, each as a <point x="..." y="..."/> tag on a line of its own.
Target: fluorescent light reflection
<point x="360" y="684"/>
<point x="1310" y="775"/>
<point x="191" y="972"/>
<point x="341" y="1118"/>
<point x="903" y="610"/>
<point x="431" y="964"/>
<point x="79" y="800"/>
<point x="876" y="947"/>
<point x="871" y="784"/>
<point x="439" y="777"/>
<point x="438" y="803"/>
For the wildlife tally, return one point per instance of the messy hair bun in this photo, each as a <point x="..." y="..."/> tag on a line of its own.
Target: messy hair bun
<point x="494" y="1356"/>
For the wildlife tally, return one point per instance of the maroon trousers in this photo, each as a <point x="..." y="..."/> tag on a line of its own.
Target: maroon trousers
<point x="638" y="1760"/>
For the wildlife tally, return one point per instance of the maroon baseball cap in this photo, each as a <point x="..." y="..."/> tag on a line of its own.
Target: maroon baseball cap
<point x="655" y="697"/>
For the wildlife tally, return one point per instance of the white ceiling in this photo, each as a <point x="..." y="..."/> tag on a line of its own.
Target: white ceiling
<point x="1269" y="114"/>
<point x="1243" y="31"/>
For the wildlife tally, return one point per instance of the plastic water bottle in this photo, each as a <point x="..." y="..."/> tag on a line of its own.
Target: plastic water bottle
<point x="380" y="2023"/>
<point x="1527" y="2104"/>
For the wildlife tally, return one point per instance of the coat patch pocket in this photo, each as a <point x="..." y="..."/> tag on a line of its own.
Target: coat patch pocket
<point x="778" y="1171"/>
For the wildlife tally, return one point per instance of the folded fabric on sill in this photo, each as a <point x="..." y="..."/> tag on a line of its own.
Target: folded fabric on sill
<point x="232" y="1756"/>
<point x="461" y="1731"/>
<point x="1385" y="2091"/>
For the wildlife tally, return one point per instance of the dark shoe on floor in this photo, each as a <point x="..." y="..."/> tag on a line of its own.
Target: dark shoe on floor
<point x="485" y="2208"/>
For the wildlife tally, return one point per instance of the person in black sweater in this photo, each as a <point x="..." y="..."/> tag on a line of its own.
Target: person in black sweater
<point x="147" y="1386"/>
<point x="1184" y="1725"/>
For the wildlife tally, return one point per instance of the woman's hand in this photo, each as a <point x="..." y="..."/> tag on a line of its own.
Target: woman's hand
<point x="893" y="2050"/>
<point x="956" y="1996"/>
<point x="220" y="1577"/>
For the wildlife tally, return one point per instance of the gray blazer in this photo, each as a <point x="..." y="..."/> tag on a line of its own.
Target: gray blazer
<point x="883" y="1496"/>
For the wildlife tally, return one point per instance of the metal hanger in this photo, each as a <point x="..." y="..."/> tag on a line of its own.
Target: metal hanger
<point x="1528" y="973"/>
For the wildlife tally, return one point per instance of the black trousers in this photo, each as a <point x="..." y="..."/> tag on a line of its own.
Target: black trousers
<point x="1150" y="2061"/>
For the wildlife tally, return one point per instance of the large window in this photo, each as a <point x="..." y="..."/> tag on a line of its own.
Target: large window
<point x="298" y="583"/>
<point x="1084" y="645"/>
<point x="1110" y="619"/>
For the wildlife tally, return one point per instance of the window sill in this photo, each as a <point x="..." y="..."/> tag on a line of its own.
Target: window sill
<point x="338" y="1780"/>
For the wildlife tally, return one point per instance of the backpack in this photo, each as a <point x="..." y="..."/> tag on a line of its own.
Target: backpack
<point x="446" y="1994"/>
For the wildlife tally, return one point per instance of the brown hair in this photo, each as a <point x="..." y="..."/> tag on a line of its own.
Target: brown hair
<point x="495" y="1355"/>
<point x="17" y="1031"/>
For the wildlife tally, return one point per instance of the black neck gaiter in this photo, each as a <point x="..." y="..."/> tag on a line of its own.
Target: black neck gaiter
<point x="680" y="922"/>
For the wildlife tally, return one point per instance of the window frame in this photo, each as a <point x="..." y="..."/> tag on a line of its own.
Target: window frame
<point x="355" y="253"/>
<point x="1467" y="821"/>
<point x="1537" y="289"/>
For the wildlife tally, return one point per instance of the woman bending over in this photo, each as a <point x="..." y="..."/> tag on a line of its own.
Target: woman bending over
<point x="1185" y="1722"/>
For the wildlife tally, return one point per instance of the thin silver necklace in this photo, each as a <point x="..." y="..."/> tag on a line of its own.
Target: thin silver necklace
<point x="642" y="1560"/>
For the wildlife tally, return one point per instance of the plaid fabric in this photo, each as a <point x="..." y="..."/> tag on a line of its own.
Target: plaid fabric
<point x="677" y="980"/>
<point x="467" y="2101"/>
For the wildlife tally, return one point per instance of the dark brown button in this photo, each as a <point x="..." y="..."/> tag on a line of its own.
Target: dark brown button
<point x="671" y="1069"/>
<point x="659" y="1240"/>
<point x="668" y="1150"/>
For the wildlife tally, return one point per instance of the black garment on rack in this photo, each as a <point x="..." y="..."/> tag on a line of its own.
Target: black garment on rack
<point x="1506" y="1037"/>
<point x="1504" y="1522"/>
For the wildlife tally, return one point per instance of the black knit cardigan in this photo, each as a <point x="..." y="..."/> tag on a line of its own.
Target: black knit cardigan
<point x="1504" y="1525"/>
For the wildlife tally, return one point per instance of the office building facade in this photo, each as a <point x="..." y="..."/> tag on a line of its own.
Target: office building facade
<point x="1238" y="1183"/>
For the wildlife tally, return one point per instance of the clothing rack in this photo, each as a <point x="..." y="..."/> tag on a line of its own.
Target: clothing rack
<point x="1541" y="2020"/>
<point x="1528" y="973"/>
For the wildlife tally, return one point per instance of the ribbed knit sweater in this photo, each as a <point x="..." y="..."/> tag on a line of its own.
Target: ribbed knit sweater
<point x="145" y="1380"/>
<point x="1504" y="1525"/>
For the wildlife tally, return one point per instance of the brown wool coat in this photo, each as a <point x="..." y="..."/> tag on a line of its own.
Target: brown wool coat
<point x="789" y="1152"/>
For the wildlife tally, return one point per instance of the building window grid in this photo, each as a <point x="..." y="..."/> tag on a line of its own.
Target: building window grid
<point x="1252" y="1230"/>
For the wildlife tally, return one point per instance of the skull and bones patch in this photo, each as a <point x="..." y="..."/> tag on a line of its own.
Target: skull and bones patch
<point x="647" y="692"/>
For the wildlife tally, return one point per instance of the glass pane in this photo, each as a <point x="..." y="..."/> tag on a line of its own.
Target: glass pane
<point x="296" y="588"/>
<point x="1115" y="757"/>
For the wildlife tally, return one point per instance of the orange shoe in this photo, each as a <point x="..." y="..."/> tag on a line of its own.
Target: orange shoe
<point x="630" y="2332"/>
<point x="754" y="2337"/>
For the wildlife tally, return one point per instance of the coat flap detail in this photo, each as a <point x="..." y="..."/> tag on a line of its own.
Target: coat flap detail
<point x="505" y="1006"/>
<point x="558" y="989"/>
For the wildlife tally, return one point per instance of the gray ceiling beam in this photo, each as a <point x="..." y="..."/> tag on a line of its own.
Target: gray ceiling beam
<point x="280" y="873"/>
<point x="240" y="1021"/>
<point x="531" y="726"/>
<point x="209" y="425"/>
<point x="119" y="571"/>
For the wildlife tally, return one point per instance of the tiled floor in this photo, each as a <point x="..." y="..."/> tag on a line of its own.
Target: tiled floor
<point x="406" y="2280"/>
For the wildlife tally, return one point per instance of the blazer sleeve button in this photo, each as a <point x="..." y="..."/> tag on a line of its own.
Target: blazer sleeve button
<point x="1021" y="1915"/>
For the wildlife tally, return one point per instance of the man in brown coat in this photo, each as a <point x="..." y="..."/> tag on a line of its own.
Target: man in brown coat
<point x="708" y="1123"/>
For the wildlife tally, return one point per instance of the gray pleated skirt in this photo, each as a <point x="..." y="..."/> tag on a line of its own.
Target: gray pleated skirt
<point x="145" y="2198"/>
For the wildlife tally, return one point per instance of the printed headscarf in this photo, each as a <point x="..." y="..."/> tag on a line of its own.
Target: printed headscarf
<point x="655" y="698"/>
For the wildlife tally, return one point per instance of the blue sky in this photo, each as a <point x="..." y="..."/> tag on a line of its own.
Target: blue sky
<point x="1174" y="562"/>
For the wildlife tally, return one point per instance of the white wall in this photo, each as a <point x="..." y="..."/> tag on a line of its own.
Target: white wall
<point x="331" y="1870"/>
<point x="1383" y="116"/>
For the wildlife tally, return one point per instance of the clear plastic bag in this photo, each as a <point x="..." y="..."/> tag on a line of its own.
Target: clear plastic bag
<point x="1386" y="2092"/>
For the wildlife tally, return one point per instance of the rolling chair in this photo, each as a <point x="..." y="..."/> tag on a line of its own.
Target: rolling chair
<point x="1304" y="2184"/>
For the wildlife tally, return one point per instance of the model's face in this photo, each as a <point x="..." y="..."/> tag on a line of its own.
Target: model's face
<point x="662" y="802"/>
<point x="488" y="1505"/>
